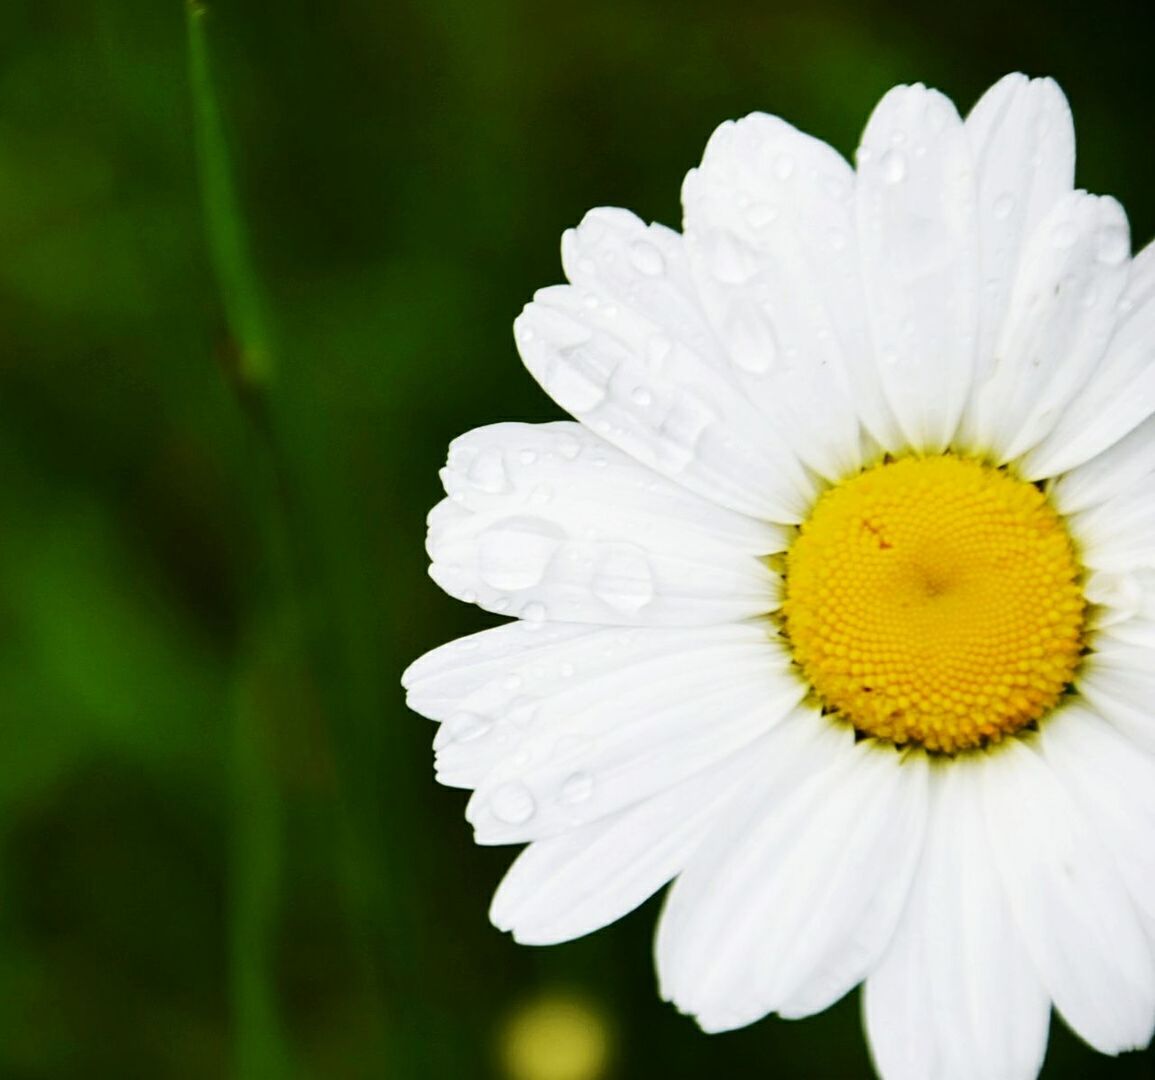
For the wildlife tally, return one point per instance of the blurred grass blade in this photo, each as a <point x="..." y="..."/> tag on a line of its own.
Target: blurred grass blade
<point x="261" y="1051"/>
<point x="224" y="222"/>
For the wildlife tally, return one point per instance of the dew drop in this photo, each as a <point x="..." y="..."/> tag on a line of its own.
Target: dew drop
<point x="513" y="803"/>
<point x="624" y="579"/>
<point x="893" y="164"/>
<point x="487" y="473"/>
<point x="467" y="726"/>
<point x="533" y="612"/>
<point x="516" y="552"/>
<point x="1064" y="235"/>
<point x="1112" y="245"/>
<point x="541" y="495"/>
<point x="646" y="258"/>
<point x="784" y="166"/>
<point x="642" y="397"/>
<point x="527" y="457"/>
<point x="568" y="447"/>
<point x="577" y="788"/>
<point x="1004" y="206"/>
<point x="761" y="214"/>
<point x="657" y="349"/>
<point x="731" y="260"/>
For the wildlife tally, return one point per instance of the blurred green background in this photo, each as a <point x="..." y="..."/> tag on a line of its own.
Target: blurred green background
<point x="223" y="850"/>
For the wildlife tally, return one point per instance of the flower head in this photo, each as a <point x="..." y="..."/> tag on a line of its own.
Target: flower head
<point x="836" y="605"/>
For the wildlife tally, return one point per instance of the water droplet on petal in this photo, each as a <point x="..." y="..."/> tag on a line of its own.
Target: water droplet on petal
<point x="541" y="494"/>
<point x="467" y="726"/>
<point x="784" y="166"/>
<point x="646" y="258"/>
<point x="624" y="579"/>
<point x="516" y="552"/>
<point x="513" y="803"/>
<point x="1112" y="245"/>
<point x="1064" y="235"/>
<point x="533" y="612"/>
<point x="761" y="214"/>
<point x="527" y="457"/>
<point x="893" y="165"/>
<point x="1004" y="206"/>
<point x="657" y="349"/>
<point x="641" y="396"/>
<point x="568" y="447"/>
<point x="577" y="788"/>
<point x="487" y="473"/>
<point x="731" y="261"/>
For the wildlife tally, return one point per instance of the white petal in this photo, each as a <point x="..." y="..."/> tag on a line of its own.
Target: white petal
<point x="627" y="350"/>
<point x="919" y="252"/>
<point x="1109" y="506"/>
<point x="1121" y="393"/>
<point x="1023" y="142"/>
<point x="1120" y="686"/>
<point x="956" y="996"/>
<point x="795" y="892"/>
<point x="1114" y="783"/>
<point x="621" y="732"/>
<point x="1062" y="311"/>
<point x="1069" y="902"/>
<point x="549" y="521"/>
<point x="769" y="220"/>
<point x="569" y="885"/>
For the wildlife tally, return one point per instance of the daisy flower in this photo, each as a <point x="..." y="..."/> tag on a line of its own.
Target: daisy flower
<point x="835" y="607"/>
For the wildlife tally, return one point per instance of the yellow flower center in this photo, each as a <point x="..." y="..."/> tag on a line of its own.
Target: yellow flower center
<point x="935" y="601"/>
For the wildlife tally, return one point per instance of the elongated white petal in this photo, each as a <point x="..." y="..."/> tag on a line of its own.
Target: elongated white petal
<point x="549" y="521"/>
<point x="1115" y="788"/>
<point x="1023" y="143"/>
<point x="1070" y="903"/>
<point x="626" y="349"/>
<point x="1121" y="394"/>
<point x="627" y="731"/>
<point x="1063" y="309"/>
<point x="1119" y="684"/>
<point x="956" y="996"/>
<point x="916" y="200"/>
<point x="769" y="219"/>
<point x="796" y="891"/>
<point x="569" y="885"/>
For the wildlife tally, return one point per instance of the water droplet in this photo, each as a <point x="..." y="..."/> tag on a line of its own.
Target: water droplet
<point x="533" y="612"/>
<point x="568" y="447"/>
<point x="761" y="214"/>
<point x="469" y="596"/>
<point x="487" y="473"/>
<point x="467" y="726"/>
<point x="784" y="167"/>
<point x="753" y="347"/>
<point x="731" y="260"/>
<point x="893" y="165"/>
<point x="642" y="397"/>
<point x="624" y="579"/>
<point x="1064" y="235"/>
<point x="1112" y="245"/>
<point x="681" y="430"/>
<point x="541" y="494"/>
<point x="657" y="349"/>
<point x="646" y="258"/>
<point x="527" y="457"/>
<point x="513" y="803"/>
<point x="1004" y="206"/>
<point x="512" y="681"/>
<point x="577" y="382"/>
<point x="516" y="552"/>
<point x="577" y="788"/>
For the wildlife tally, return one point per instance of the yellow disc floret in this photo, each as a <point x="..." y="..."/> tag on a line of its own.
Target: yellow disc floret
<point x="935" y="601"/>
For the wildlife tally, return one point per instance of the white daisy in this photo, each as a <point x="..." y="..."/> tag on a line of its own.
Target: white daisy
<point x="836" y="607"/>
